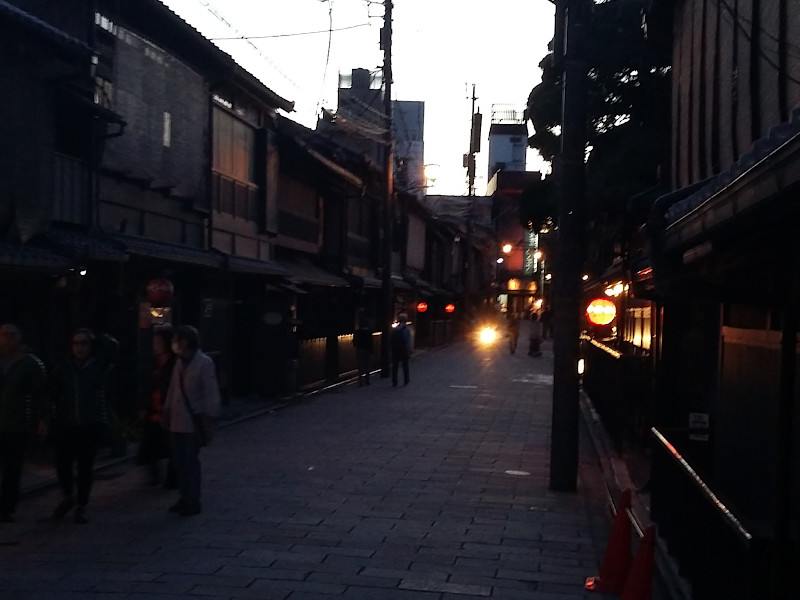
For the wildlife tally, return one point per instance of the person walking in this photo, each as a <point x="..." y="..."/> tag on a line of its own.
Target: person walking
<point x="23" y="400"/>
<point x="535" y="340"/>
<point x="193" y="393"/>
<point x="547" y="323"/>
<point x="513" y="331"/>
<point x="155" y="439"/>
<point x="362" y="340"/>
<point x="81" y="416"/>
<point x="401" y="349"/>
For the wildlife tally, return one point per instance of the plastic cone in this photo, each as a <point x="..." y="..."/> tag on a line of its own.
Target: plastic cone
<point x="617" y="558"/>
<point x="640" y="581"/>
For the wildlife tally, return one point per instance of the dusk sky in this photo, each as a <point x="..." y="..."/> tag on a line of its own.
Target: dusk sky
<point x="440" y="49"/>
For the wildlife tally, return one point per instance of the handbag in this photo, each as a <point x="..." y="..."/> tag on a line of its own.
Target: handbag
<point x="203" y="423"/>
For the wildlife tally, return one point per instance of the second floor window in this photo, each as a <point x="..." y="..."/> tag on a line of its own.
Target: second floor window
<point x="234" y="147"/>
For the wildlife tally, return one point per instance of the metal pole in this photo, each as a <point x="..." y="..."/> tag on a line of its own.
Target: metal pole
<point x="387" y="303"/>
<point x="570" y="171"/>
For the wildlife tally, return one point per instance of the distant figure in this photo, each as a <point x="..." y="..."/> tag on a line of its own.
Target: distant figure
<point x="547" y="323"/>
<point x="535" y="341"/>
<point x="193" y="389"/>
<point x="513" y="331"/>
<point x="362" y="340"/>
<point x="81" y="416"/>
<point x="22" y="404"/>
<point x="155" y="439"/>
<point x="401" y="349"/>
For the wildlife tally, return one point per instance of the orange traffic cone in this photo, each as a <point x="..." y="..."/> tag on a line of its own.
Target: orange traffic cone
<point x="617" y="557"/>
<point x="640" y="581"/>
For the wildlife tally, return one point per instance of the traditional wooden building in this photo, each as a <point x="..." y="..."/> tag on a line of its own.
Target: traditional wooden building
<point x="724" y="267"/>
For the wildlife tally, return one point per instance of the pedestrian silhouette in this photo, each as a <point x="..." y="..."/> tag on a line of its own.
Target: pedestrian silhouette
<point x="22" y="407"/>
<point x="81" y="417"/>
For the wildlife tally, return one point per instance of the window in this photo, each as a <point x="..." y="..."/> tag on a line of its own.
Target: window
<point x="234" y="147"/>
<point x="167" y="135"/>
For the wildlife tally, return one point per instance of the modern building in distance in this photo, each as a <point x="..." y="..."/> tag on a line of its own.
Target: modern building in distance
<point x="359" y="124"/>
<point x="508" y="137"/>
<point x="520" y="275"/>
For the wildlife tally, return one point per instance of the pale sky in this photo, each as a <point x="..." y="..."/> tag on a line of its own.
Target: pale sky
<point x="440" y="48"/>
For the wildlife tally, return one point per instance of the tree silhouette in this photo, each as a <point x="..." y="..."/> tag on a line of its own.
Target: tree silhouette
<point x="628" y="125"/>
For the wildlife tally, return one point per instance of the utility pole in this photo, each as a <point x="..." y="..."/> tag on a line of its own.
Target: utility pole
<point x="469" y="164"/>
<point x="387" y="295"/>
<point x="474" y="144"/>
<point x="572" y="23"/>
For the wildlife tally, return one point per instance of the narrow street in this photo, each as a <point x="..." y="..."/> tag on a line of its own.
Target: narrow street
<point x="434" y="491"/>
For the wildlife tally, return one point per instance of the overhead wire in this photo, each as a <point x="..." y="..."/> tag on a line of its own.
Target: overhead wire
<point x="736" y="21"/>
<point x="296" y="34"/>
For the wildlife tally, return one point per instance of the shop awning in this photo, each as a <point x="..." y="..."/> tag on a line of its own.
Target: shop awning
<point x="27" y="257"/>
<point x="300" y="272"/>
<point x="172" y="252"/>
<point x="253" y="266"/>
<point x="79" y="245"/>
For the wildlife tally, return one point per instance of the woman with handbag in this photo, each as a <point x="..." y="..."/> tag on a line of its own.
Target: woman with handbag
<point x="193" y="400"/>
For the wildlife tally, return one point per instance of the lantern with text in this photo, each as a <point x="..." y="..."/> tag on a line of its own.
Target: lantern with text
<point x="422" y="307"/>
<point x="601" y="311"/>
<point x="159" y="290"/>
<point x="450" y="308"/>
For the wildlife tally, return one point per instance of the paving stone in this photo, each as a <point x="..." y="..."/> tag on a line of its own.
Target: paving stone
<point x="357" y="494"/>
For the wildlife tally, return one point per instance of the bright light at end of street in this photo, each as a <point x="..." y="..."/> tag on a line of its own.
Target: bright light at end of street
<point x="487" y="335"/>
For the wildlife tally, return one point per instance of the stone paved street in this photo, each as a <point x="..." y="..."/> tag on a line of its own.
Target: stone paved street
<point x="434" y="491"/>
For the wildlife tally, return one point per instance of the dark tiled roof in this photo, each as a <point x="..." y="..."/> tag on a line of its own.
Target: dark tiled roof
<point x="301" y="272"/>
<point x="243" y="264"/>
<point x="79" y="245"/>
<point x="761" y="150"/>
<point x="172" y="252"/>
<point x="28" y="257"/>
<point x="43" y="29"/>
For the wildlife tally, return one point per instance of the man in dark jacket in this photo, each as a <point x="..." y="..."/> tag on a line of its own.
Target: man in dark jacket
<point x="401" y="348"/>
<point x="81" y="416"/>
<point x="22" y="405"/>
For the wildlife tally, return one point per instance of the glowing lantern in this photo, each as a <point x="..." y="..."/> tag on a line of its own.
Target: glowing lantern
<point x="422" y="307"/>
<point x="450" y="308"/>
<point x="159" y="290"/>
<point x="601" y="311"/>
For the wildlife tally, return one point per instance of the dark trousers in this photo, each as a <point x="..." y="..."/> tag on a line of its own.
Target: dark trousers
<point x="400" y="358"/>
<point x="154" y="447"/>
<point x="12" y="455"/>
<point x="186" y="457"/>
<point x="76" y="449"/>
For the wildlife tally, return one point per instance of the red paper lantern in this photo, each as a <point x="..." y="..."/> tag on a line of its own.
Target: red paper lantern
<point x="159" y="290"/>
<point x="450" y="308"/>
<point x="601" y="311"/>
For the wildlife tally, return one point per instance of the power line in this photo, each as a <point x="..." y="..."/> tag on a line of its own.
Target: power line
<point x="283" y="35"/>
<point x="736" y="21"/>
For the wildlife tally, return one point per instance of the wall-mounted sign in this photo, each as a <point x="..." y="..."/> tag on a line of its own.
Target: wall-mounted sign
<point x="422" y="307"/>
<point x="450" y="308"/>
